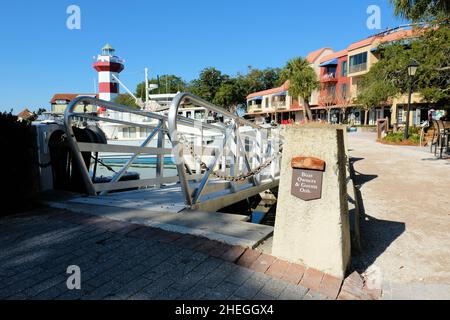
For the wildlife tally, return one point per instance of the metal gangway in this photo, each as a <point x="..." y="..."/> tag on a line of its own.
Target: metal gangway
<point x="218" y="164"/>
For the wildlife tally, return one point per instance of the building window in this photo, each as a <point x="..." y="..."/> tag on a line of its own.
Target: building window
<point x="129" y="133"/>
<point x="358" y="62"/>
<point x="344" y="67"/>
<point x="332" y="90"/>
<point x="248" y="144"/>
<point x="198" y="115"/>
<point x="132" y="132"/>
<point x="145" y="132"/>
<point x="344" y="91"/>
<point x="357" y="86"/>
<point x="400" y="118"/>
<point x="331" y="72"/>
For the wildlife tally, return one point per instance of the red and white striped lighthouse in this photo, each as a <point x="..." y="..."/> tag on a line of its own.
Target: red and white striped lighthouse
<point x="107" y="64"/>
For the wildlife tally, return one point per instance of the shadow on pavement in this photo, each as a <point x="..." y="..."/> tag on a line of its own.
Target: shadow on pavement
<point x="435" y="159"/>
<point x="375" y="235"/>
<point x="117" y="261"/>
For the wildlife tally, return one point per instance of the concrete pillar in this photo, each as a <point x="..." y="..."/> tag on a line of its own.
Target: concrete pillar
<point x="315" y="233"/>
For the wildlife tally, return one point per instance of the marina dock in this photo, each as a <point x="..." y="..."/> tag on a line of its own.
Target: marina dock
<point x="164" y="209"/>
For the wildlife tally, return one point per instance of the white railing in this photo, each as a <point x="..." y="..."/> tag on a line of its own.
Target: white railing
<point x="157" y="125"/>
<point x="243" y="152"/>
<point x="279" y="104"/>
<point x="226" y="157"/>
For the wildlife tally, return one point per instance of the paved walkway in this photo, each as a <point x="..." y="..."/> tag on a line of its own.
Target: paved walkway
<point x="119" y="260"/>
<point x="406" y="233"/>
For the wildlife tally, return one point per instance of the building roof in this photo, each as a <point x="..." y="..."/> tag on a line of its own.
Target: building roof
<point x="362" y="43"/>
<point x="25" y="114"/>
<point x="398" y="35"/>
<point x="284" y="87"/>
<point x="69" y="96"/>
<point x="313" y="56"/>
<point x="334" y="56"/>
<point x="388" y="37"/>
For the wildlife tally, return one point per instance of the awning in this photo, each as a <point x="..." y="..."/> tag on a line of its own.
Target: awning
<point x="333" y="62"/>
<point x="256" y="98"/>
<point x="284" y="93"/>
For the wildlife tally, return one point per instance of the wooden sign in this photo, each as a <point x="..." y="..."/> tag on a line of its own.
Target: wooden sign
<point x="307" y="178"/>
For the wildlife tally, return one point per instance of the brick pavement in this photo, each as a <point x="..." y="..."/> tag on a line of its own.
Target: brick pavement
<point x="120" y="260"/>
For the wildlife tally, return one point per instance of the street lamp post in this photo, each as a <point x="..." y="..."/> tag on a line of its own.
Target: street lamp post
<point x="412" y="69"/>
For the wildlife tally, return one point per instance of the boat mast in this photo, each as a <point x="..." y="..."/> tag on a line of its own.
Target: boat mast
<point x="146" y="86"/>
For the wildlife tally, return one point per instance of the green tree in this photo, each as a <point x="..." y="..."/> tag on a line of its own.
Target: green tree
<point x="258" y="80"/>
<point x="230" y="95"/>
<point x="302" y="81"/>
<point x="126" y="100"/>
<point x="432" y="51"/>
<point x="208" y="83"/>
<point x="372" y="94"/>
<point x="422" y="10"/>
<point x="388" y="78"/>
<point x="167" y="83"/>
<point x="234" y="90"/>
<point x="40" y="111"/>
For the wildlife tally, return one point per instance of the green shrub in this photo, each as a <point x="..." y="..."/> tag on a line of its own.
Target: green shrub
<point x="398" y="137"/>
<point x="414" y="138"/>
<point x="414" y="131"/>
<point x="19" y="181"/>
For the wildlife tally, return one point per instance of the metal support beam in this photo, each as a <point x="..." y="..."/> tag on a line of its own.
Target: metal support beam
<point x="124" y="169"/>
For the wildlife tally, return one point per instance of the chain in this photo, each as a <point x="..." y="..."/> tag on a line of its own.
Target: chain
<point x="182" y="139"/>
<point x="104" y="164"/>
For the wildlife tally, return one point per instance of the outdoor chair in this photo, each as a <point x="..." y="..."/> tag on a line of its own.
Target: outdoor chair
<point x="441" y="139"/>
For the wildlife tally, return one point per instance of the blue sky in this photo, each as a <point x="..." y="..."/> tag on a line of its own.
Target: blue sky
<point x="40" y="56"/>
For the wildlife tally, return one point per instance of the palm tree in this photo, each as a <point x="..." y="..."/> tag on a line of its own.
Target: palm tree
<point x="302" y="81"/>
<point x="421" y="9"/>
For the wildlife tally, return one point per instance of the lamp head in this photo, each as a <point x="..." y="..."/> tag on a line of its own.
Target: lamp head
<point x="412" y="67"/>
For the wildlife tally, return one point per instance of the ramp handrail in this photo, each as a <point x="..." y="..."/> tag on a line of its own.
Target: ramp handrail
<point x="263" y="147"/>
<point x="239" y="167"/>
<point x="158" y="131"/>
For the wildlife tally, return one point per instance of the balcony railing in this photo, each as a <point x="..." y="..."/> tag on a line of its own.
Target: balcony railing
<point x="254" y="108"/>
<point x="329" y="77"/>
<point x="279" y="104"/>
<point x="358" y="68"/>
